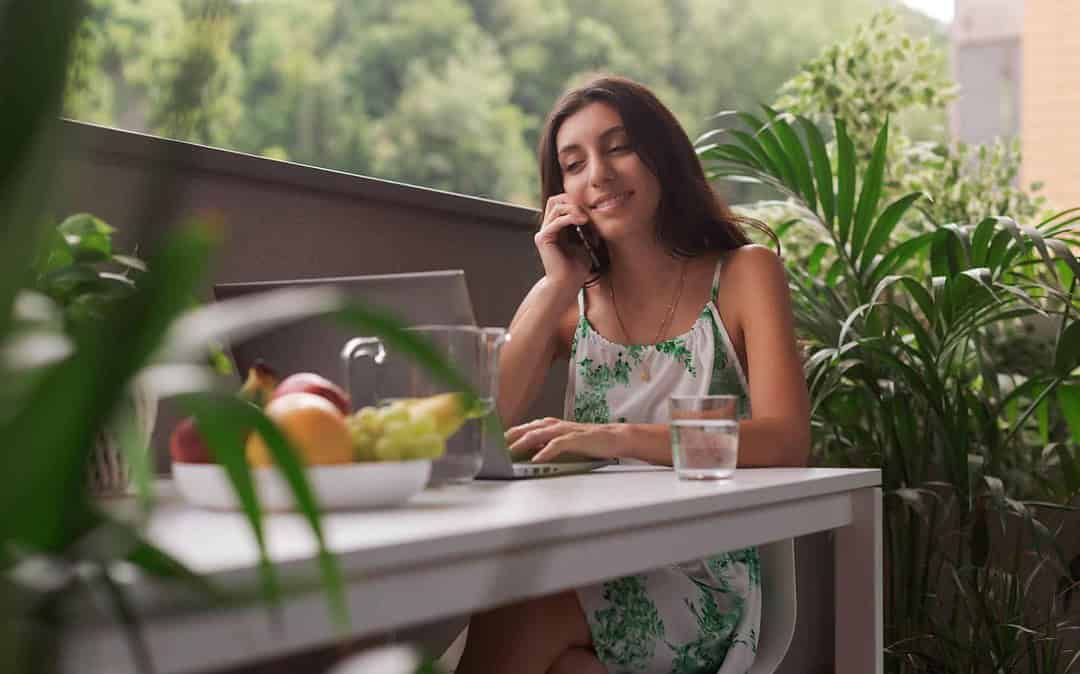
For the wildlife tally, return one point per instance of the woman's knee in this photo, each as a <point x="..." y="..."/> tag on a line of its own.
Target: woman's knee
<point x="577" y="661"/>
<point x="555" y="615"/>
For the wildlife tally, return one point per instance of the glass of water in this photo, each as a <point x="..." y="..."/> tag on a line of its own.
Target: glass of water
<point x="705" y="436"/>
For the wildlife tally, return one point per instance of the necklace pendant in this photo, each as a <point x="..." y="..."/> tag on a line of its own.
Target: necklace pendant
<point x="645" y="373"/>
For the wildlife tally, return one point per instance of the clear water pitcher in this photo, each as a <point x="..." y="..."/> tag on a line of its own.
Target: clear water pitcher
<point x="375" y="374"/>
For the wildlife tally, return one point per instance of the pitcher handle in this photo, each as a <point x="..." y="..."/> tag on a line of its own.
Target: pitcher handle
<point x="355" y="349"/>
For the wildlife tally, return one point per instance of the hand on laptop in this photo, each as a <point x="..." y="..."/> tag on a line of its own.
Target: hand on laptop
<point x="548" y="438"/>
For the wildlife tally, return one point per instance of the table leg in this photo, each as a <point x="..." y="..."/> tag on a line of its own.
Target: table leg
<point x="859" y="617"/>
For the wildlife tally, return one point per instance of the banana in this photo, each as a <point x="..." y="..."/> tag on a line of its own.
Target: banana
<point x="260" y="383"/>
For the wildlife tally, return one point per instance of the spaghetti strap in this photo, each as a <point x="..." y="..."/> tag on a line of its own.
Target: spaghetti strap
<point x="716" y="279"/>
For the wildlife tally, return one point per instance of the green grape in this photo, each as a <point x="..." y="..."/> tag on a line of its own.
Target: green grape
<point x="363" y="440"/>
<point x="422" y="424"/>
<point x="399" y="431"/>
<point x="428" y="446"/>
<point x="370" y="420"/>
<point x="388" y="450"/>
<point x="364" y="449"/>
<point x="397" y="411"/>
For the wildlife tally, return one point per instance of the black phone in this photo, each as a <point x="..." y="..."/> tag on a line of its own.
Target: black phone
<point x="585" y="236"/>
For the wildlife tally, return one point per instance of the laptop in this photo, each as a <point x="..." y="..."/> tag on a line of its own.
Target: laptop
<point x="314" y="345"/>
<point x="419" y="298"/>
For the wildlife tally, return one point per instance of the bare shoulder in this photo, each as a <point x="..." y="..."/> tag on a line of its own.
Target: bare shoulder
<point x="754" y="278"/>
<point x="754" y="262"/>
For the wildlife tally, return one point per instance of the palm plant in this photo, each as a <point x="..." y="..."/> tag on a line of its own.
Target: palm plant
<point x="903" y="376"/>
<point x="60" y="387"/>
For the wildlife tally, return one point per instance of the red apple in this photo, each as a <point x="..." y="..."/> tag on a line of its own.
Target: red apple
<point x="309" y="382"/>
<point x="186" y="445"/>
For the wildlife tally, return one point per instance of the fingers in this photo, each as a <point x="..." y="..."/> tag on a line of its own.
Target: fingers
<point x="563" y="443"/>
<point x="539" y="436"/>
<point x="516" y="432"/>
<point x="560" y="212"/>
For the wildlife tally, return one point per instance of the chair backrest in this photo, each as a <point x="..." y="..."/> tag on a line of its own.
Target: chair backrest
<point x="779" y="605"/>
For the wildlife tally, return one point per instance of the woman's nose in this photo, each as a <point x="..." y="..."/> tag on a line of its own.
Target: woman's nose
<point x="600" y="171"/>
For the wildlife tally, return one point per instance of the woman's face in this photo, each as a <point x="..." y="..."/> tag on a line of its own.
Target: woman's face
<point x="604" y="174"/>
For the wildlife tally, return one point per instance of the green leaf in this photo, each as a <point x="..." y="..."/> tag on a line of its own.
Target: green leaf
<point x="57" y="424"/>
<point x="89" y="237"/>
<point x="980" y="242"/>
<point x="1067" y="353"/>
<point x="796" y="156"/>
<point x="813" y="263"/>
<point x="822" y="170"/>
<point x="83" y="224"/>
<point x="1042" y="415"/>
<point x="735" y="155"/>
<point x="883" y="228"/>
<point x="1068" y="396"/>
<point x="836" y="270"/>
<point x="772" y="147"/>
<point x="898" y="256"/>
<point x="31" y="90"/>
<point x="871" y="192"/>
<point x="226" y="436"/>
<point x="845" y="175"/>
<point x="754" y="147"/>
<point x="1070" y="467"/>
<point x="225" y="422"/>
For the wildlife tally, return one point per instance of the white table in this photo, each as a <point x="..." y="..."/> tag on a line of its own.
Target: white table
<point x="455" y="550"/>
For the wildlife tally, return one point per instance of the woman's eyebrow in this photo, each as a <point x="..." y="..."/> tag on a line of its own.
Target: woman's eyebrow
<point x="603" y="136"/>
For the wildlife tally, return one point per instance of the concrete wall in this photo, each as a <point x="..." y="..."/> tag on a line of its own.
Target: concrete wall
<point x="986" y="63"/>
<point x="289" y="221"/>
<point x="1051" y="98"/>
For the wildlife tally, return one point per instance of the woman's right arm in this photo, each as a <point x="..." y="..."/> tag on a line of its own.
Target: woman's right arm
<point x="534" y="344"/>
<point x="534" y="331"/>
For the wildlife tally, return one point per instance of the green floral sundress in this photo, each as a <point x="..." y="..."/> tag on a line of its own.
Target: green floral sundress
<point x="694" y="618"/>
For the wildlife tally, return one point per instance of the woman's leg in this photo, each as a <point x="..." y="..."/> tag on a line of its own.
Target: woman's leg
<point x="527" y="637"/>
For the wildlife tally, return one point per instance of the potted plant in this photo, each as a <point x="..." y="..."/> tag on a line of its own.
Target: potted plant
<point x="84" y="278"/>
<point x="899" y="327"/>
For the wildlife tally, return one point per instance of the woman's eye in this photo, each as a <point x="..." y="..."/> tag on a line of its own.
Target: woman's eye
<point x="572" y="166"/>
<point x="619" y="148"/>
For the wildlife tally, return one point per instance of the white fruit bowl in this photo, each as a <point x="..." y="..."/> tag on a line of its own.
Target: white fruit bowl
<point x="352" y="486"/>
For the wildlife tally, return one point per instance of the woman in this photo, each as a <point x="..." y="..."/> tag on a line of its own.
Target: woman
<point x="681" y="303"/>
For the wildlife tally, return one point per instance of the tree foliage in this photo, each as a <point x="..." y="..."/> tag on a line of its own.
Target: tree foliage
<point x="448" y="94"/>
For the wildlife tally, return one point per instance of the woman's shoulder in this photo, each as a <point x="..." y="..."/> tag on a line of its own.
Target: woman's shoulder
<point x="752" y="278"/>
<point x="753" y="262"/>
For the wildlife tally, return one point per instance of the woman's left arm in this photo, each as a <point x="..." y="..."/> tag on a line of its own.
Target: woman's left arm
<point x="779" y="432"/>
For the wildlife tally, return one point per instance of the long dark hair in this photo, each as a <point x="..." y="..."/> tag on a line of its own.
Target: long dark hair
<point x="691" y="218"/>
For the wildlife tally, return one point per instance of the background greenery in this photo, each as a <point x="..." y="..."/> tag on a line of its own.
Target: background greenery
<point x="441" y="93"/>
<point x="937" y="305"/>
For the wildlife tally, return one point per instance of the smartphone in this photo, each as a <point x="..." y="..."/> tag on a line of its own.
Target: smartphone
<point x="587" y="237"/>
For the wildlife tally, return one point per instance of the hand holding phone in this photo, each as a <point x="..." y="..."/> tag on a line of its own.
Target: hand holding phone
<point x="584" y="236"/>
<point x="569" y="245"/>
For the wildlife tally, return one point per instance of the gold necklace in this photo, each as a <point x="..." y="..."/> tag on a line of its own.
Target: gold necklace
<point x="645" y="375"/>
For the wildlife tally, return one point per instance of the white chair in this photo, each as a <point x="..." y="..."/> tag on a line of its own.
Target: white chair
<point x="778" y="611"/>
<point x="778" y="605"/>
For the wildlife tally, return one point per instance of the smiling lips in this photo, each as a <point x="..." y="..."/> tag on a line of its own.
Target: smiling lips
<point x="611" y="201"/>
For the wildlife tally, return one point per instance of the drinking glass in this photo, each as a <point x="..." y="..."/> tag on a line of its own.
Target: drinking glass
<point x="705" y="436"/>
